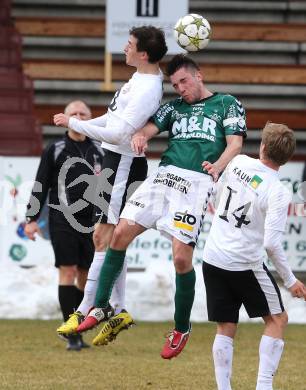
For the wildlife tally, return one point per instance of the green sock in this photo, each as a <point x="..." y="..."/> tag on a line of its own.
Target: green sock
<point x="110" y="271"/>
<point x="184" y="297"/>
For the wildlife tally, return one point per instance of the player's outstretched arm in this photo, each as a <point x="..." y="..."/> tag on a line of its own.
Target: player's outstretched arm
<point x="233" y="147"/>
<point x="98" y="121"/>
<point x="139" y="142"/>
<point x="91" y="130"/>
<point x="120" y="133"/>
<point x="63" y="120"/>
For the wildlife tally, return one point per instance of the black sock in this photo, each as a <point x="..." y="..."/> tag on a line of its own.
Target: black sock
<point x="67" y="300"/>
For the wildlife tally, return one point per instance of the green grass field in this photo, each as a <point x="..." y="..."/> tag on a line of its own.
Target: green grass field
<point x="34" y="358"/>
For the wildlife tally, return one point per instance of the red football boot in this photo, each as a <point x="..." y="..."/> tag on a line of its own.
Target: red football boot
<point x="175" y="343"/>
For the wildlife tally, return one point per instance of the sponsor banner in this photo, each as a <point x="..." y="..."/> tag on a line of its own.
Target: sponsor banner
<point x="159" y="13"/>
<point x="294" y="241"/>
<point x="16" y="181"/>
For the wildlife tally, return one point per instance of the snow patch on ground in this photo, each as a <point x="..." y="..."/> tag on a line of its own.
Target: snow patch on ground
<point x="32" y="293"/>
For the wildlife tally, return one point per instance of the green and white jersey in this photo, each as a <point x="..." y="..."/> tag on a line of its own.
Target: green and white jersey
<point x="197" y="132"/>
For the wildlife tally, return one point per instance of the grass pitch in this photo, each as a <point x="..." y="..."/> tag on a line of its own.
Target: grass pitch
<point x="33" y="357"/>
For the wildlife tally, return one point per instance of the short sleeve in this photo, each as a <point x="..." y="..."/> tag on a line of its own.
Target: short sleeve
<point x="277" y="210"/>
<point x="234" y="121"/>
<point x="162" y="117"/>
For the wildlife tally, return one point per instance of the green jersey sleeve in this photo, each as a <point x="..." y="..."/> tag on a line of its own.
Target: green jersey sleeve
<point x="234" y="121"/>
<point x="162" y="117"/>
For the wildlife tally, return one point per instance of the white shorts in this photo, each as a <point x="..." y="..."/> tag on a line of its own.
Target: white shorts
<point x="172" y="200"/>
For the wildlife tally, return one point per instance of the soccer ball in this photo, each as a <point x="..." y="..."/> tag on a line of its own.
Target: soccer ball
<point x="192" y="32"/>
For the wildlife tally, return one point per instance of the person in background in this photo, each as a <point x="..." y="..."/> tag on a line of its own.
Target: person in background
<point x="73" y="249"/>
<point x="248" y="225"/>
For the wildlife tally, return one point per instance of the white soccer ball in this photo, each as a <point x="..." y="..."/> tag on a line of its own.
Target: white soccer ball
<point x="192" y="32"/>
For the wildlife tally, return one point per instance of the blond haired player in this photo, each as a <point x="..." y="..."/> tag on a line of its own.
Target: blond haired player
<point x="248" y="224"/>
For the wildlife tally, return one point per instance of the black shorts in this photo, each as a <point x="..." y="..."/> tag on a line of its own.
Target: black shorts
<point x="120" y="177"/>
<point x="227" y="290"/>
<point x="72" y="248"/>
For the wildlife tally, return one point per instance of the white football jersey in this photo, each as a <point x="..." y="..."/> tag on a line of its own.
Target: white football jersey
<point x="135" y="103"/>
<point x="252" y="199"/>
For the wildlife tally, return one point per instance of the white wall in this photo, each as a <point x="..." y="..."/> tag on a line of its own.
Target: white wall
<point x="28" y="279"/>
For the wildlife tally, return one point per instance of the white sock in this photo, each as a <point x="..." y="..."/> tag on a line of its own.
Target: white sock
<point x="270" y="352"/>
<point x="223" y="358"/>
<point x="91" y="285"/>
<point x="117" y="299"/>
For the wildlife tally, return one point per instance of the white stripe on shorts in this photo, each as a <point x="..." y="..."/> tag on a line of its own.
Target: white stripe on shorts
<point x="119" y="188"/>
<point x="272" y="295"/>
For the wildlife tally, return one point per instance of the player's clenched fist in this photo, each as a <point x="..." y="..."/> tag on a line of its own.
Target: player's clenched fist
<point x="139" y="144"/>
<point x="31" y="229"/>
<point x="298" y="290"/>
<point x="61" y="120"/>
<point x="211" y="169"/>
